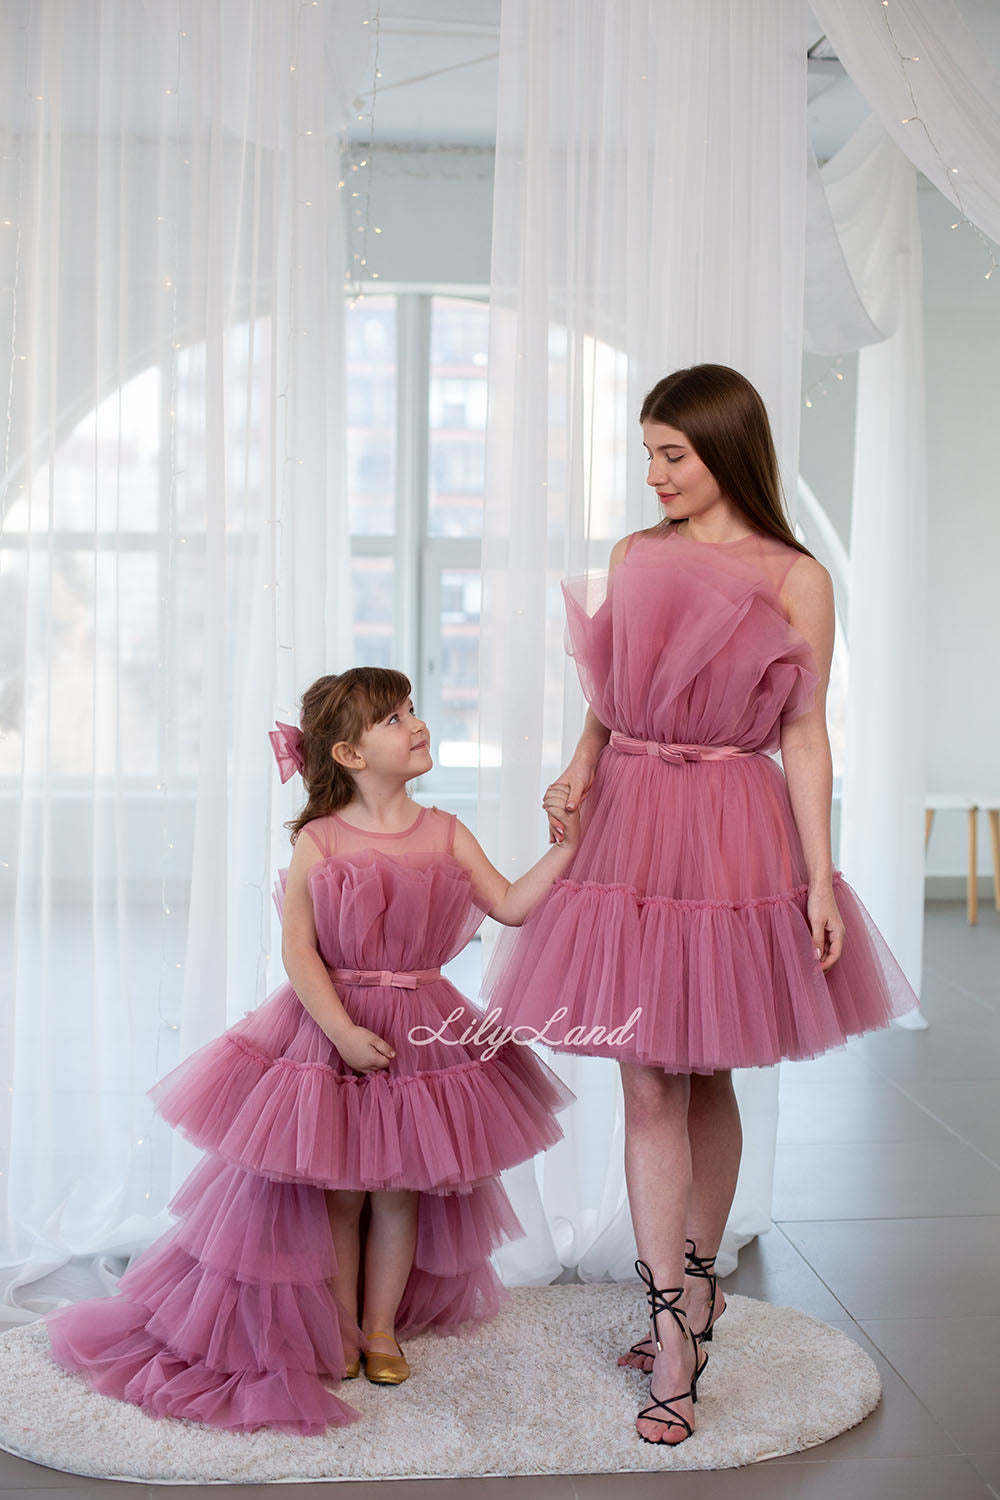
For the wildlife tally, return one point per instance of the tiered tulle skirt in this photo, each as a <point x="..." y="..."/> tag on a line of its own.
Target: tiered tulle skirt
<point x="683" y="929"/>
<point x="229" y="1319"/>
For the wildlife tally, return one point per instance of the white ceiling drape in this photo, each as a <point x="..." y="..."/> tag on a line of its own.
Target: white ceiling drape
<point x="930" y="69"/>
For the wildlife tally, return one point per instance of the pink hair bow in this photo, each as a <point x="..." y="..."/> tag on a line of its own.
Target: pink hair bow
<point x="286" y="742"/>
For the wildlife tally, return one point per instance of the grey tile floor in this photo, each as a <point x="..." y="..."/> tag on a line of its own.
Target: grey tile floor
<point x="887" y="1225"/>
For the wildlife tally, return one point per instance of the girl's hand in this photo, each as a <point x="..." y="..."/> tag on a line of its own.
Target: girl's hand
<point x="826" y="923"/>
<point x="566" y="795"/>
<point x="564" y="824"/>
<point x="362" y="1050"/>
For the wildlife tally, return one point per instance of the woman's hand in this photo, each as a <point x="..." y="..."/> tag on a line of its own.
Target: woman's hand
<point x="362" y="1050"/>
<point x="564" y="824"/>
<point x="565" y="796"/>
<point x="826" y="923"/>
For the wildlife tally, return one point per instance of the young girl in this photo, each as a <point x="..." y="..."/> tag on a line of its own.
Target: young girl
<point x="704" y="893"/>
<point x="355" y="1124"/>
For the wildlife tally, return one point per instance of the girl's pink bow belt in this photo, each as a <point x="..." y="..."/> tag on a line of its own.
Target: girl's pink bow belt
<point x="401" y="981"/>
<point x="676" y="754"/>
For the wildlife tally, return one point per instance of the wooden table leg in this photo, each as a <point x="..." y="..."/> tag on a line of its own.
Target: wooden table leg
<point x="928" y="825"/>
<point x="993" y="813"/>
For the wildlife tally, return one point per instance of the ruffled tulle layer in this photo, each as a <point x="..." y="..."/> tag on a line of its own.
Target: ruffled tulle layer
<point x="109" y="1344"/>
<point x="703" y="830"/>
<point x="397" y="908"/>
<point x="694" y="985"/>
<point x="273" y="1096"/>
<point x="690" y="643"/>
<point x="229" y="1319"/>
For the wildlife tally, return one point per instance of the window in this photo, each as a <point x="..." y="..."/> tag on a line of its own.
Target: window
<point x="416" y="378"/>
<point x="101" y="557"/>
<point x="108" y="575"/>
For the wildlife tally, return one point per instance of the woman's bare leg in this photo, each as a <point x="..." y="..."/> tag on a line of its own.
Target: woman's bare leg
<point x="716" y="1140"/>
<point x="389" y="1250"/>
<point x="658" y="1175"/>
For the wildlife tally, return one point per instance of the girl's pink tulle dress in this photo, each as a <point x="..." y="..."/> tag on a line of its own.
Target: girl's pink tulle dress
<point x="229" y="1318"/>
<point x="687" y="899"/>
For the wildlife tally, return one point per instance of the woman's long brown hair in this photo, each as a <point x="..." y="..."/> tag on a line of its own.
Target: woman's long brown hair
<point x="340" y="708"/>
<point x="725" y="421"/>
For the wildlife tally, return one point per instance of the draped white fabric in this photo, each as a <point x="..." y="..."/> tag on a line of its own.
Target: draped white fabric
<point x="931" y="71"/>
<point x="648" y="213"/>
<point x="172" y="298"/>
<point x="872" y="192"/>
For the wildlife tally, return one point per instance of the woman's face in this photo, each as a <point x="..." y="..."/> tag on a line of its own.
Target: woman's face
<point x="683" y="485"/>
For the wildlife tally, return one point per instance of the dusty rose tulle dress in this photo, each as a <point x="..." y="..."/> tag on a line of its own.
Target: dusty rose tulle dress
<point x="687" y="898"/>
<point x="229" y="1318"/>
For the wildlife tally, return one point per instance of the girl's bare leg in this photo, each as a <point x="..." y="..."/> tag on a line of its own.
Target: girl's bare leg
<point x="389" y="1250"/>
<point x="658" y="1175"/>
<point x="716" y="1140"/>
<point x="344" y="1210"/>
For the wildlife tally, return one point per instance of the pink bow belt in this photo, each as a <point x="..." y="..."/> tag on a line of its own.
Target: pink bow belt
<point x="676" y="754"/>
<point x="405" y="981"/>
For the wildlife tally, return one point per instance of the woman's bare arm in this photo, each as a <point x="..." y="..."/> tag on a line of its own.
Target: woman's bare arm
<point x="805" y="751"/>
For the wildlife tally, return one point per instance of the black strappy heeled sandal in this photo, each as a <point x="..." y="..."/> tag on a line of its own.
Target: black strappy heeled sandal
<point x="695" y="1265"/>
<point x="703" y="1266"/>
<point x="661" y="1300"/>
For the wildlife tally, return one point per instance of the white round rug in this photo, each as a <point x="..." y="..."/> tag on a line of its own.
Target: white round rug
<point x="492" y="1404"/>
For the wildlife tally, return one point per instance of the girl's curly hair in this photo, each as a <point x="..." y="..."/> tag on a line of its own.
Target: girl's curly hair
<point x="340" y="708"/>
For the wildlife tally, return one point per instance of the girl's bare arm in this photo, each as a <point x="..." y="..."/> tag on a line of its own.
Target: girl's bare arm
<point x="508" y="901"/>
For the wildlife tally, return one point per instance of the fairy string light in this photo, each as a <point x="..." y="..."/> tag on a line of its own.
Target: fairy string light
<point x="819" y="387"/>
<point x="358" y="271"/>
<point x="915" y="118"/>
<point x="170" y="234"/>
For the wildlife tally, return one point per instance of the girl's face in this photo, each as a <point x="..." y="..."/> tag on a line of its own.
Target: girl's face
<point x="683" y="485"/>
<point x="398" y="745"/>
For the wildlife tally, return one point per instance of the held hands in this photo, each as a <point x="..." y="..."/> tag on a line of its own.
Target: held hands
<point x="564" y="816"/>
<point x="565" y="796"/>
<point x="826" y="924"/>
<point x="362" y="1050"/>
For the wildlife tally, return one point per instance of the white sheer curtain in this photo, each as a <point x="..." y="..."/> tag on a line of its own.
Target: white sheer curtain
<point x="172" y="293"/>
<point x="648" y="213"/>
<point x="871" y="189"/>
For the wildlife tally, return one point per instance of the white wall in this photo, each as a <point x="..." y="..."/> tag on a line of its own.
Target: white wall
<point x="434" y="206"/>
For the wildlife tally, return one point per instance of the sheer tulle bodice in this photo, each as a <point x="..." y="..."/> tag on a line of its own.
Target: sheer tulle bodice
<point x="395" y="906"/>
<point x="690" y="643"/>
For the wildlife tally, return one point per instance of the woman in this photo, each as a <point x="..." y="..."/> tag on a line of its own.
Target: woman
<point x="702" y="922"/>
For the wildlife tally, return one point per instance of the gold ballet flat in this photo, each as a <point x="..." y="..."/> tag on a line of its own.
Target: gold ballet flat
<point x="386" y="1369"/>
<point x="353" y="1370"/>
